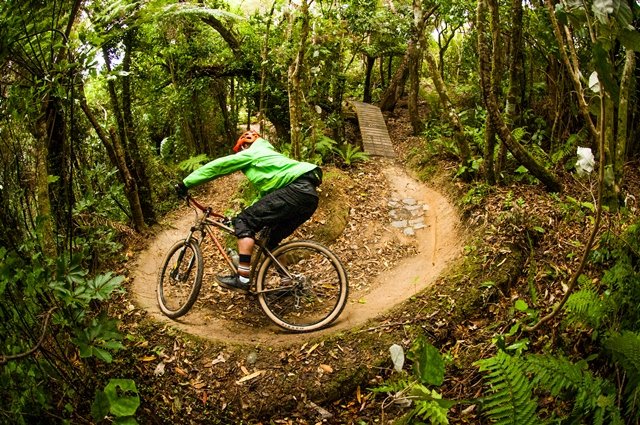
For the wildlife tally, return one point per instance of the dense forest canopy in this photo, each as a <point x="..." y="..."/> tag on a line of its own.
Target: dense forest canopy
<point x="103" y="104"/>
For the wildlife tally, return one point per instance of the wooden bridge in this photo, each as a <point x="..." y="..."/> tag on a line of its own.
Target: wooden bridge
<point x="375" y="137"/>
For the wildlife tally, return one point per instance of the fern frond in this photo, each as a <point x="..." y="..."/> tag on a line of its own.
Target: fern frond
<point x="566" y="150"/>
<point x="428" y="406"/>
<point x="587" y="307"/>
<point x="518" y="133"/>
<point x="593" y="397"/>
<point x="193" y="163"/>
<point x="512" y="400"/>
<point x="554" y="374"/>
<point x="624" y="350"/>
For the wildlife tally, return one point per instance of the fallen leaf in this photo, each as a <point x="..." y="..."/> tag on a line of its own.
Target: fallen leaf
<point x="180" y="371"/>
<point x="312" y="348"/>
<point x="204" y="397"/>
<point x="159" y="371"/>
<point x="147" y="358"/>
<point x="219" y="359"/>
<point x="199" y="385"/>
<point x="326" y="368"/>
<point x="248" y="377"/>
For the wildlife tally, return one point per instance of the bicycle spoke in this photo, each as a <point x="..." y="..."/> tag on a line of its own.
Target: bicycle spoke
<point x="180" y="279"/>
<point x="316" y="293"/>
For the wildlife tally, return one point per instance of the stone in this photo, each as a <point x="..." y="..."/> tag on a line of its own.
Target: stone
<point x="399" y="224"/>
<point x="416" y="221"/>
<point x="409" y="231"/>
<point x="409" y="201"/>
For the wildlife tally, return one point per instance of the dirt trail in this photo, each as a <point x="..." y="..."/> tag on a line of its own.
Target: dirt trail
<point x="438" y="243"/>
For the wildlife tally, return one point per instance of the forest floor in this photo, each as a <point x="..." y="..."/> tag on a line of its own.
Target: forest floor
<point x="225" y="362"/>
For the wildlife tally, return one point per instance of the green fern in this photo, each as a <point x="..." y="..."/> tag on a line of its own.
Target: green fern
<point x="193" y="163"/>
<point x="586" y="307"/>
<point x="511" y="401"/>
<point x="554" y="374"/>
<point x="593" y="397"/>
<point x="566" y="150"/>
<point x="429" y="406"/>
<point x="351" y="154"/>
<point x="624" y="349"/>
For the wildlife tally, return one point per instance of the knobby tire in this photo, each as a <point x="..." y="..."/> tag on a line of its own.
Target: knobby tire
<point x="316" y="296"/>
<point x="180" y="278"/>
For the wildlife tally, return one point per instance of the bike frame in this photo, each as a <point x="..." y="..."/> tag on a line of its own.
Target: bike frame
<point x="204" y="226"/>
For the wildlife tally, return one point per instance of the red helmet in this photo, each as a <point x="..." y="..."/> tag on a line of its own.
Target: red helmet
<point x="246" y="137"/>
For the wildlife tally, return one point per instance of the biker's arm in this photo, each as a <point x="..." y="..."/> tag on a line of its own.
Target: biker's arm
<point x="217" y="168"/>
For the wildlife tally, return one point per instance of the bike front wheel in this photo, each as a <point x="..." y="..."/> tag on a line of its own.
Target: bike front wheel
<point x="180" y="278"/>
<point x="312" y="292"/>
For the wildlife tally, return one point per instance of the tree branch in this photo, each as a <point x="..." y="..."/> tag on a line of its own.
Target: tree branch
<point x="4" y="359"/>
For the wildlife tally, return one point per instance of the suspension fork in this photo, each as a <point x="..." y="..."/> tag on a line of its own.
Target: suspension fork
<point x="175" y="273"/>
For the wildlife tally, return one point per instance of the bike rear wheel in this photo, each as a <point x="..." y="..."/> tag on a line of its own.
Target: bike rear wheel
<point x="315" y="296"/>
<point x="180" y="278"/>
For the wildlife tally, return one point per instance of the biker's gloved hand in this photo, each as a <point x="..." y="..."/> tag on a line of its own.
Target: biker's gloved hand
<point x="181" y="190"/>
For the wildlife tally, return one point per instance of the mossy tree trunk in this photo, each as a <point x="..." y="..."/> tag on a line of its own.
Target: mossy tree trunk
<point x="518" y="152"/>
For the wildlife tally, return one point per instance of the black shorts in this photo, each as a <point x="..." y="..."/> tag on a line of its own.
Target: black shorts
<point x="282" y="210"/>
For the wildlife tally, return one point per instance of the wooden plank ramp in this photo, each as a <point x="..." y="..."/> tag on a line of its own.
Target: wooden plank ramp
<point x="375" y="137"/>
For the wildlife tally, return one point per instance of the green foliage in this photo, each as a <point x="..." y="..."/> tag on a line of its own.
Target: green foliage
<point x="428" y="364"/>
<point x="193" y="163"/>
<point x="624" y="350"/>
<point x="323" y="148"/>
<point x="101" y="335"/>
<point x="120" y="398"/>
<point x="511" y="400"/>
<point x="586" y="307"/>
<point x="350" y="154"/>
<point x="28" y="288"/>
<point x="592" y="397"/>
<point x="567" y="149"/>
<point x="428" y="369"/>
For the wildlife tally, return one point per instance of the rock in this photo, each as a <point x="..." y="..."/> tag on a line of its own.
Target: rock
<point x="399" y="224"/>
<point x="409" y="231"/>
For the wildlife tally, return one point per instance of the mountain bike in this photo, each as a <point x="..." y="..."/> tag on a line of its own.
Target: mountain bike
<point x="301" y="285"/>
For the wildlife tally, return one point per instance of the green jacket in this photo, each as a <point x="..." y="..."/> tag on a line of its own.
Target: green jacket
<point x="265" y="168"/>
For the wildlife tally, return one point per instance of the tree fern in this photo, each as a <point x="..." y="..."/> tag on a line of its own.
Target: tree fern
<point x="511" y="401"/>
<point x="624" y="349"/>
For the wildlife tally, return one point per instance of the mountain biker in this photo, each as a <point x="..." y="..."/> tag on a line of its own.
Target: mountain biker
<point x="287" y="197"/>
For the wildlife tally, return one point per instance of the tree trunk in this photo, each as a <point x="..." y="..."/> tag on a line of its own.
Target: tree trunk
<point x="574" y="73"/>
<point x="138" y="167"/>
<point x="496" y="87"/>
<point x="396" y="85"/>
<point x="117" y="160"/>
<point x="48" y="240"/>
<point x="451" y="115"/>
<point x="521" y="155"/>
<point x="366" y="98"/>
<point x="620" y="150"/>
<point x="262" y="104"/>
<point x="414" y="69"/>
<point x="295" y="91"/>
